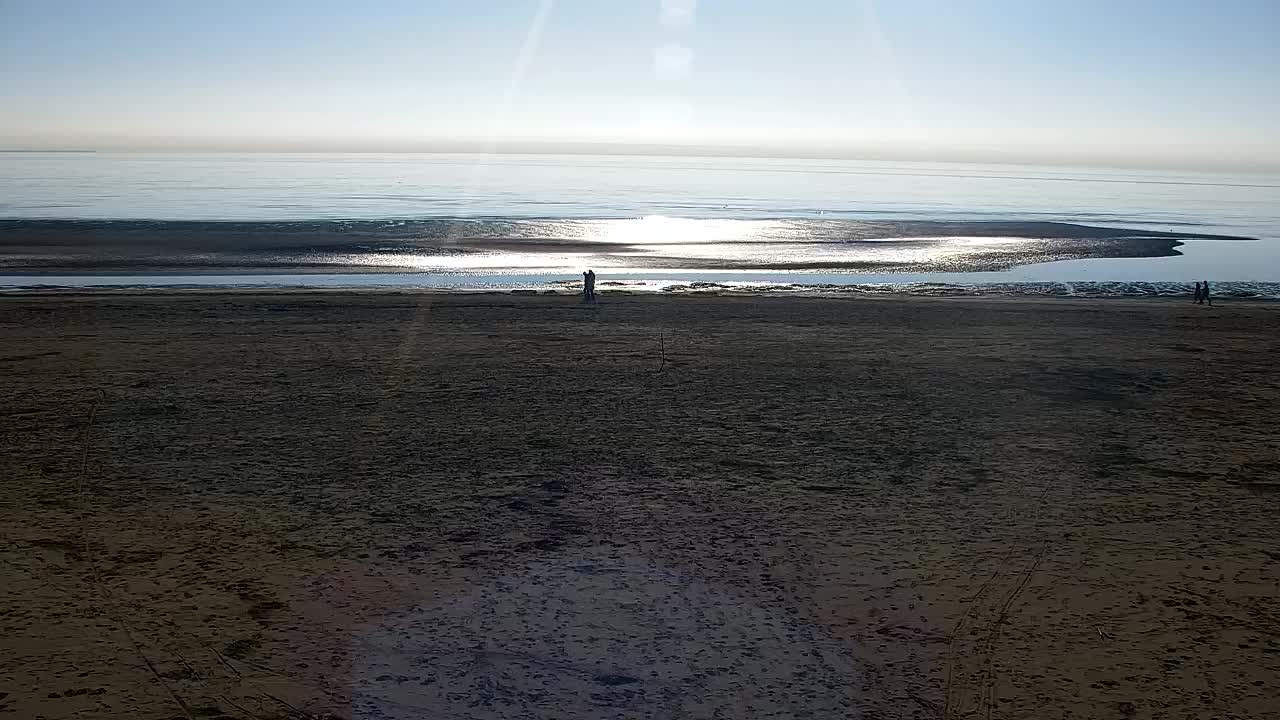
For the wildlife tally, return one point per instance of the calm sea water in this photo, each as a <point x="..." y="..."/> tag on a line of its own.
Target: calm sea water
<point x="711" y="209"/>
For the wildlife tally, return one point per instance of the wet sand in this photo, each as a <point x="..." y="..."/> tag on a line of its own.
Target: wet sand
<point x="492" y="506"/>
<point x="369" y="246"/>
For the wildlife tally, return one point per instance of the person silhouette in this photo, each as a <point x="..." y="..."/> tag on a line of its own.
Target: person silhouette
<point x="591" y="284"/>
<point x="1204" y="293"/>
<point x="1199" y="296"/>
<point x="586" y="286"/>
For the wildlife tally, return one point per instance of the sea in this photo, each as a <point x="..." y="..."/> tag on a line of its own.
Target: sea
<point x="663" y="224"/>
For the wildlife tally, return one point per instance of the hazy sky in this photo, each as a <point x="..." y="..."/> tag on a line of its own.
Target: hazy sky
<point x="1183" y="82"/>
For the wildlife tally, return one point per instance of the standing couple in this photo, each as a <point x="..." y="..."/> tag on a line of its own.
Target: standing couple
<point x="589" y="286"/>
<point x="1202" y="294"/>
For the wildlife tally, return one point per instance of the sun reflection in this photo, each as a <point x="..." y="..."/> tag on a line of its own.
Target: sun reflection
<point x="663" y="230"/>
<point x="673" y="243"/>
<point x="427" y="262"/>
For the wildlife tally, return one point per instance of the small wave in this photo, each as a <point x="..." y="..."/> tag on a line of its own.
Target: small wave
<point x="1227" y="290"/>
<point x="1233" y="290"/>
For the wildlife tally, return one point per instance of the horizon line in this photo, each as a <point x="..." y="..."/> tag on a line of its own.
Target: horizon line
<point x="623" y="149"/>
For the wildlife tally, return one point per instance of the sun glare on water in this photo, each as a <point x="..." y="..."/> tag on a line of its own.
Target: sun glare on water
<point x="664" y="230"/>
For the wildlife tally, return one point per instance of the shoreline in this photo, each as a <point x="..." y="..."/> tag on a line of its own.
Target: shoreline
<point x="1172" y="293"/>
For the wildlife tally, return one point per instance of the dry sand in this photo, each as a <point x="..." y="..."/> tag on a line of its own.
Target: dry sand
<point x="430" y="506"/>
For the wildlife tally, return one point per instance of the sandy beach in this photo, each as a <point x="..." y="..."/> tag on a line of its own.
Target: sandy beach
<point x="380" y="505"/>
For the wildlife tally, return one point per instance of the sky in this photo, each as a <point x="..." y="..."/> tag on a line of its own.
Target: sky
<point x="1181" y="83"/>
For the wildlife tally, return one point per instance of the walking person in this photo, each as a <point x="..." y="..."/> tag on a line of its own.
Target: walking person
<point x="1199" y="296"/>
<point x="1204" y="293"/>
<point x="591" y="285"/>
